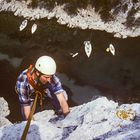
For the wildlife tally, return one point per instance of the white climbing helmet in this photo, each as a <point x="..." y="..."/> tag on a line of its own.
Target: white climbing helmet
<point x="46" y="65"/>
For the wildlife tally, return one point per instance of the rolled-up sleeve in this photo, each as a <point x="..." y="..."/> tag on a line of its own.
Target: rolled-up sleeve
<point x="57" y="87"/>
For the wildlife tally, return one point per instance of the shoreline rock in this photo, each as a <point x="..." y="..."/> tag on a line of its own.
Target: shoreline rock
<point x="85" y="19"/>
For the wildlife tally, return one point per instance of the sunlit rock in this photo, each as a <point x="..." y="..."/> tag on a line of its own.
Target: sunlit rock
<point x="97" y="119"/>
<point x="4" y="111"/>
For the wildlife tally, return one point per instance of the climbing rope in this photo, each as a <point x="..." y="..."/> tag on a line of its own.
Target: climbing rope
<point x="37" y="93"/>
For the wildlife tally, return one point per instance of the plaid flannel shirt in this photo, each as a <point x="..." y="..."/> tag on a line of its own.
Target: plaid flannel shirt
<point x="26" y="91"/>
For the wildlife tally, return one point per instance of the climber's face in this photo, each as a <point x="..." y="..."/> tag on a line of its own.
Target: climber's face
<point x="45" y="79"/>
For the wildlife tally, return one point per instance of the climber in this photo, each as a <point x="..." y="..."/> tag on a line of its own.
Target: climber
<point x="41" y="77"/>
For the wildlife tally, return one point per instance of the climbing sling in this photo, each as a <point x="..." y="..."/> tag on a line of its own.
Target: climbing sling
<point x="35" y="86"/>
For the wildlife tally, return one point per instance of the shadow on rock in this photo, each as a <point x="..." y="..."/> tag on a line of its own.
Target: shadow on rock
<point x="123" y="130"/>
<point x="15" y="132"/>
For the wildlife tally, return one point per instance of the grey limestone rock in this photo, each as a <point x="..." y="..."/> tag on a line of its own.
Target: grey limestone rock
<point x="4" y="111"/>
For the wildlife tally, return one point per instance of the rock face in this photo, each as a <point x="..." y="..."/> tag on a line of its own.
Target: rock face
<point x="97" y="119"/>
<point x="4" y="111"/>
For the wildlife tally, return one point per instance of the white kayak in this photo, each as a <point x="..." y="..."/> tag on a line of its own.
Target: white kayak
<point x="74" y="54"/>
<point x="88" y="48"/>
<point x="112" y="49"/>
<point x="23" y="24"/>
<point x="34" y="27"/>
